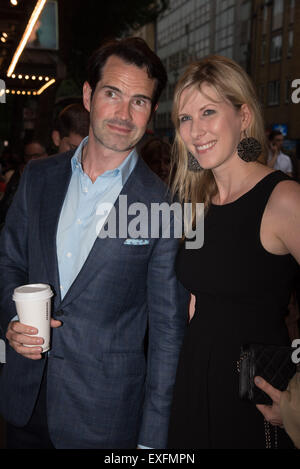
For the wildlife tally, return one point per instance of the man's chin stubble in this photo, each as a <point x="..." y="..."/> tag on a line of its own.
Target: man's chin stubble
<point x="116" y="147"/>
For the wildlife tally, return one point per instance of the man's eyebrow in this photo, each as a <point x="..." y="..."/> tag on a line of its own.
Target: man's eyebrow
<point x="142" y="96"/>
<point x="114" y="88"/>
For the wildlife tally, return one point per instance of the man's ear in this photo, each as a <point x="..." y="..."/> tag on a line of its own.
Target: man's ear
<point x="87" y="92"/>
<point x="55" y="137"/>
<point x="152" y="112"/>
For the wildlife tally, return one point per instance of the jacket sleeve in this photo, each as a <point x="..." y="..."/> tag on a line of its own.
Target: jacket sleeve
<point x="13" y="252"/>
<point x="168" y="316"/>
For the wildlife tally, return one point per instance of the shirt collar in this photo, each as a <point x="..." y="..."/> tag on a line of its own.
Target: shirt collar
<point x="125" y="168"/>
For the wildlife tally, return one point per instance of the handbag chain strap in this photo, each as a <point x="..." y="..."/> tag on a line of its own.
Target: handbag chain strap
<point x="268" y="438"/>
<point x="267" y="425"/>
<point x="238" y="363"/>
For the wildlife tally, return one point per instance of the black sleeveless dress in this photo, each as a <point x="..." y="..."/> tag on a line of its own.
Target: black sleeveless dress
<point x="242" y="293"/>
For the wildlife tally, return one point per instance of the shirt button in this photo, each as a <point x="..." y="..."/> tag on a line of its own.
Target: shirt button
<point x="85" y="189"/>
<point x="79" y="221"/>
<point x="69" y="254"/>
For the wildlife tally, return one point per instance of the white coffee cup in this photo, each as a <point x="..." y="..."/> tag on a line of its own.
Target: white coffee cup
<point x="33" y="304"/>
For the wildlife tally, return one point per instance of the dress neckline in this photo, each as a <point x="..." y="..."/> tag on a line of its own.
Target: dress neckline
<point x="246" y="193"/>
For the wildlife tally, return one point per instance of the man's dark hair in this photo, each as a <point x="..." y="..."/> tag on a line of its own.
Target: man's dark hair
<point x="274" y="133"/>
<point x="73" y="118"/>
<point x="133" y="50"/>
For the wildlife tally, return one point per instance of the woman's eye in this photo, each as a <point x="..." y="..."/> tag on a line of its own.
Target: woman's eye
<point x="184" y="118"/>
<point x="209" y="112"/>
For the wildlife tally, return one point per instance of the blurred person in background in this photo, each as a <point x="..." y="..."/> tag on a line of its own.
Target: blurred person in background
<point x="157" y="154"/>
<point x="33" y="149"/>
<point x="276" y="158"/>
<point x="70" y="127"/>
<point x="9" y="162"/>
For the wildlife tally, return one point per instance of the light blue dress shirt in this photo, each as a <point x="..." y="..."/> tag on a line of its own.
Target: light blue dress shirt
<point x="78" y="225"/>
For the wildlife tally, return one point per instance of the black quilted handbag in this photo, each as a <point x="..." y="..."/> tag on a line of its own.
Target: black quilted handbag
<point x="271" y="362"/>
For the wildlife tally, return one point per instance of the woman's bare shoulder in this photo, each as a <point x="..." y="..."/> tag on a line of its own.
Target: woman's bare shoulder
<point x="283" y="211"/>
<point x="286" y="196"/>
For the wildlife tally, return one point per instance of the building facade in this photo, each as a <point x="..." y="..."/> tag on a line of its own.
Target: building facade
<point x="275" y="62"/>
<point x="191" y="29"/>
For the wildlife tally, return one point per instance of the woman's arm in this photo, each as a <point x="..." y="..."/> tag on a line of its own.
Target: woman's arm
<point x="284" y="210"/>
<point x="192" y="306"/>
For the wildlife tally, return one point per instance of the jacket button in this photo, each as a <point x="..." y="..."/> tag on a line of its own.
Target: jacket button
<point x="58" y="313"/>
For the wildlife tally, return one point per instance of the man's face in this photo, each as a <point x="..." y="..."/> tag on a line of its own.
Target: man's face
<point x="33" y="151"/>
<point x="278" y="141"/>
<point x="70" y="142"/>
<point x="120" y="107"/>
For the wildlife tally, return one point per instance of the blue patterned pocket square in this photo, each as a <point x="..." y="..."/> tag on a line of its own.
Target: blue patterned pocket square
<point x="136" y="242"/>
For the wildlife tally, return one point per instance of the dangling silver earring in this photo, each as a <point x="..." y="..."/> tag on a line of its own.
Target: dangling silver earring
<point x="249" y="149"/>
<point x="193" y="164"/>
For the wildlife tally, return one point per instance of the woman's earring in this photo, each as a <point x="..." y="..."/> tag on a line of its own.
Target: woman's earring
<point x="249" y="149"/>
<point x="193" y="164"/>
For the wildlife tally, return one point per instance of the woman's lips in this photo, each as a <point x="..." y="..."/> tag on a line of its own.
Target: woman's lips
<point x="205" y="147"/>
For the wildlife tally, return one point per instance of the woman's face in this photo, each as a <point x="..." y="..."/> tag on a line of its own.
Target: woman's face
<point x="210" y="127"/>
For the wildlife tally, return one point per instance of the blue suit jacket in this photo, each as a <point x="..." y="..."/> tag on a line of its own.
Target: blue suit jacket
<point x="102" y="391"/>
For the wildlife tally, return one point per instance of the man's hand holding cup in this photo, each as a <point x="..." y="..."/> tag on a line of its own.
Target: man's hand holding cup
<point x="30" y="335"/>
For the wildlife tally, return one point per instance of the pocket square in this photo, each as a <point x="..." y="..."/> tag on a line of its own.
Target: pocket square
<point x="136" y="242"/>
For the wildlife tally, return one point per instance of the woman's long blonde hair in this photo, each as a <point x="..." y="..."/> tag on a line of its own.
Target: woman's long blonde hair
<point x="233" y="85"/>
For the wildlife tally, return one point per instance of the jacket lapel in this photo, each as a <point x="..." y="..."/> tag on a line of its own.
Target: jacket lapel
<point x="56" y="186"/>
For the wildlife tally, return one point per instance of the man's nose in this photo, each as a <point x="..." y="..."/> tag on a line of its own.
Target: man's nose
<point x="123" y="111"/>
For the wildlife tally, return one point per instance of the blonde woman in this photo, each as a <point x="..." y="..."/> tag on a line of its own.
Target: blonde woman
<point x="242" y="276"/>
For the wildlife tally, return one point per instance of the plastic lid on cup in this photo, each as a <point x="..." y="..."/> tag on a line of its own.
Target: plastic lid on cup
<point x="31" y="292"/>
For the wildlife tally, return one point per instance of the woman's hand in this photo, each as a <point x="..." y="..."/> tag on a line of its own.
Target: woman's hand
<point x="271" y="413"/>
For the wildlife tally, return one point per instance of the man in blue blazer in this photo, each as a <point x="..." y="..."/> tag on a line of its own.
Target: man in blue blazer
<point x="99" y="386"/>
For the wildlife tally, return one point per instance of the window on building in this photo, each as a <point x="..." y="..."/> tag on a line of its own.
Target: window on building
<point x="277" y="16"/>
<point x="292" y="10"/>
<point x="163" y="96"/>
<point x="200" y="41"/>
<point x="276" y="48"/>
<point x="290" y="43"/>
<point x="224" y="4"/>
<point x="274" y="93"/>
<point x="161" y="120"/>
<point x="265" y="19"/>
<point x="171" y="89"/>
<point x="288" y="90"/>
<point x="201" y="14"/>
<point x="263" y="51"/>
<point x="224" y="38"/>
<point x="174" y="61"/>
<point x="261" y="94"/>
<point x="245" y="15"/>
